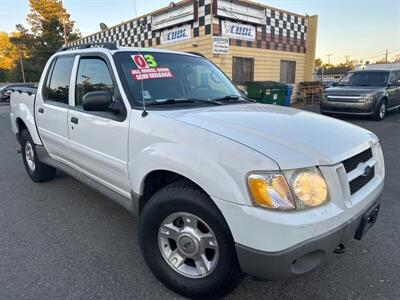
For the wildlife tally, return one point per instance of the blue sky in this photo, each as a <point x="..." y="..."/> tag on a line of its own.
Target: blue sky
<point x="361" y="29"/>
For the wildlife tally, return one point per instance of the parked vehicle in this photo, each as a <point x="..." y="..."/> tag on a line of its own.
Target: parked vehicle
<point x="368" y="92"/>
<point x="5" y="91"/>
<point x="222" y="186"/>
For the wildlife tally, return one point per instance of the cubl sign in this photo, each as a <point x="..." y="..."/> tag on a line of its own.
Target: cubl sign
<point x="176" y="35"/>
<point x="238" y="31"/>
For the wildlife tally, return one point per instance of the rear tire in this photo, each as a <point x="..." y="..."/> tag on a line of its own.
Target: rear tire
<point x="380" y="111"/>
<point x="183" y="199"/>
<point x="36" y="170"/>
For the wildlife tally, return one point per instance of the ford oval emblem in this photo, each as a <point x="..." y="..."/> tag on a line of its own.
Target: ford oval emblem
<point x="367" y="170"/>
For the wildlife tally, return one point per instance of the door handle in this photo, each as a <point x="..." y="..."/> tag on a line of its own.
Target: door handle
<point x="40" y="110"/>
<point x="74" y="120"/>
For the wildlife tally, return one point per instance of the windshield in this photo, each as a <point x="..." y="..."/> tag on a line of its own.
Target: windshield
<point x="167" y="77"/>
<point x="378" y="78"/>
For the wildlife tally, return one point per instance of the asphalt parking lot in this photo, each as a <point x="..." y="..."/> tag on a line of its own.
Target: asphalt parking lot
<point x="62" y="240"/>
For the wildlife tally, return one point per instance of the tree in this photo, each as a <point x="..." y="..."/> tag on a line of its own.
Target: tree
<point x="50" y="27"/>
<point x="48" y="42"/>
<point x="24" y="41"/>
<point x="381" y="61"/>
<point x="44" y="12"/>
<point x="318" y="63"/>
<point x="8" y="52"/>
<point x="348" y="64"/>
<point x="327" y="66"/>
<point x="397" y="58"/>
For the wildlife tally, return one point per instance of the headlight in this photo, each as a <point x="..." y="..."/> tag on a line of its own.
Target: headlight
<point x="295" y="189"/>
<point x="308" y="186"/>
<point x="270" y="191"/>
<point x="367" y="98"/>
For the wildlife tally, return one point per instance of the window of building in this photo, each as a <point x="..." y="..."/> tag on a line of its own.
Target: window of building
<point x="93" y="75"/>
<point x="288" y="71"/>
<point x="59" y="82"/>
<point x="242" y="70"/>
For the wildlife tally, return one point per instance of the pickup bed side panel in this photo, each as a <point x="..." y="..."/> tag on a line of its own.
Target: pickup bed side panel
<point x="22" y="108"/>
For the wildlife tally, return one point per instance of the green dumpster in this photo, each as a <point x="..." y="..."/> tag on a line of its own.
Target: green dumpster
<point x="270" y="92"/>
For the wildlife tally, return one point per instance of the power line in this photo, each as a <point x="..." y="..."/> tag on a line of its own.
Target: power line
<point x="382" y="54"/>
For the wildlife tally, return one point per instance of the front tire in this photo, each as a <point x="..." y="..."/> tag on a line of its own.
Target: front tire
<point x="36" y="170"/>
<point x="380" y="111"/>
<point x="187" y="244"/>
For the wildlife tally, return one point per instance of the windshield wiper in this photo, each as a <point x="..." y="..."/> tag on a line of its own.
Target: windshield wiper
<point x="233" y="97"/>
<point x="181" y="100"/>
<point x="226" y="98"/>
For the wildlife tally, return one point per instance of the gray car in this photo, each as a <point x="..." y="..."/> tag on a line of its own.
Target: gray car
<point x="367" y="92"/>
<point x="5" y="91"/>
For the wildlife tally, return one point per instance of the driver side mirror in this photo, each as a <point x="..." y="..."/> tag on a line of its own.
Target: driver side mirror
<point x="97" y="101"/>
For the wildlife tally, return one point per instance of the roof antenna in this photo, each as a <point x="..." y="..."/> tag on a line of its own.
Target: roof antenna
<point x="144" y="112"/>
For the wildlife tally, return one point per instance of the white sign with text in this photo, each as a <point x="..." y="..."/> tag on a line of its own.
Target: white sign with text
<point x="220" y="45"/>
<point x="238" y="31"/>
<point x="177" y="34"/>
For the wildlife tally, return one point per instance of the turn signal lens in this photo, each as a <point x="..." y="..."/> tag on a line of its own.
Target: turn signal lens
<point x="309" y="187"/>
<point x="270" y="191"/>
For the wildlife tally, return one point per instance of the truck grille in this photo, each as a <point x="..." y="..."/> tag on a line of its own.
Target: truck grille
<point x="359" y="182"/>
<point x="351" y="164"/>
<point x="337" y="98"/>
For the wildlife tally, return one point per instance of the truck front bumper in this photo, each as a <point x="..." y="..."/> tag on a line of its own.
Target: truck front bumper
<point x="356" y="108"/>
<point x="307" y="255"/>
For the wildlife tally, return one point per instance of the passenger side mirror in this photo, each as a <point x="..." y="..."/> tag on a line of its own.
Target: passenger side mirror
<point x="97" y="101"/>
<point x="334" y="84"/>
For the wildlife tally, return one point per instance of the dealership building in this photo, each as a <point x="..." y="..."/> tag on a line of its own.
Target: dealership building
<point x="247" y="40"/>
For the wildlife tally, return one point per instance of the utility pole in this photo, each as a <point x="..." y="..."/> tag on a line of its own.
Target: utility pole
<point x="22" y="64"/>
<point x="329" y="58"/>
<point x="65" y="31"/>
<point x="64" y="26"/>
<point x="386" y="55"/>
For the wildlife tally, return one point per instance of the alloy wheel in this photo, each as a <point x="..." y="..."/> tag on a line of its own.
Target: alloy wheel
<point x="188" y="245"/>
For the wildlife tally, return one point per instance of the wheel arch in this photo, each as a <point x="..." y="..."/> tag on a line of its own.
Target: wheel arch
<point x="24" y="119"/>
<point x="156" y="180"/>
<point x="20" y="127"/>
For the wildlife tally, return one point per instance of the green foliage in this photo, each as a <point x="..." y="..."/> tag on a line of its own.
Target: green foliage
<point x="50" y="27"/>
<point x="3" y="75"/>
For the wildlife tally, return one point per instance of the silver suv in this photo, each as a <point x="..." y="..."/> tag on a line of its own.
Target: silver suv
<point x="368" y="92"/>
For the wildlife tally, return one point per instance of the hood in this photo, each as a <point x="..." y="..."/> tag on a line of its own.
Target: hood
<point x="352" y="90"/>
<point x="293" y="138"/>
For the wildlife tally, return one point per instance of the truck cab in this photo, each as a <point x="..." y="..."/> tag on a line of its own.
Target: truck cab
<point x="222" y="186"/>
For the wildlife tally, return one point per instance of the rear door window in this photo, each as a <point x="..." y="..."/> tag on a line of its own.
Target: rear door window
<point x="60" y="79"/>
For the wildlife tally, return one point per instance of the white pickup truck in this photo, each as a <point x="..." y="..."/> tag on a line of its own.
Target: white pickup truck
<point x="222" y="186"/>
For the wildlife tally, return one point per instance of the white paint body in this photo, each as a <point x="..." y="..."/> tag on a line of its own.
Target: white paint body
<point x="215" y="147"/>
